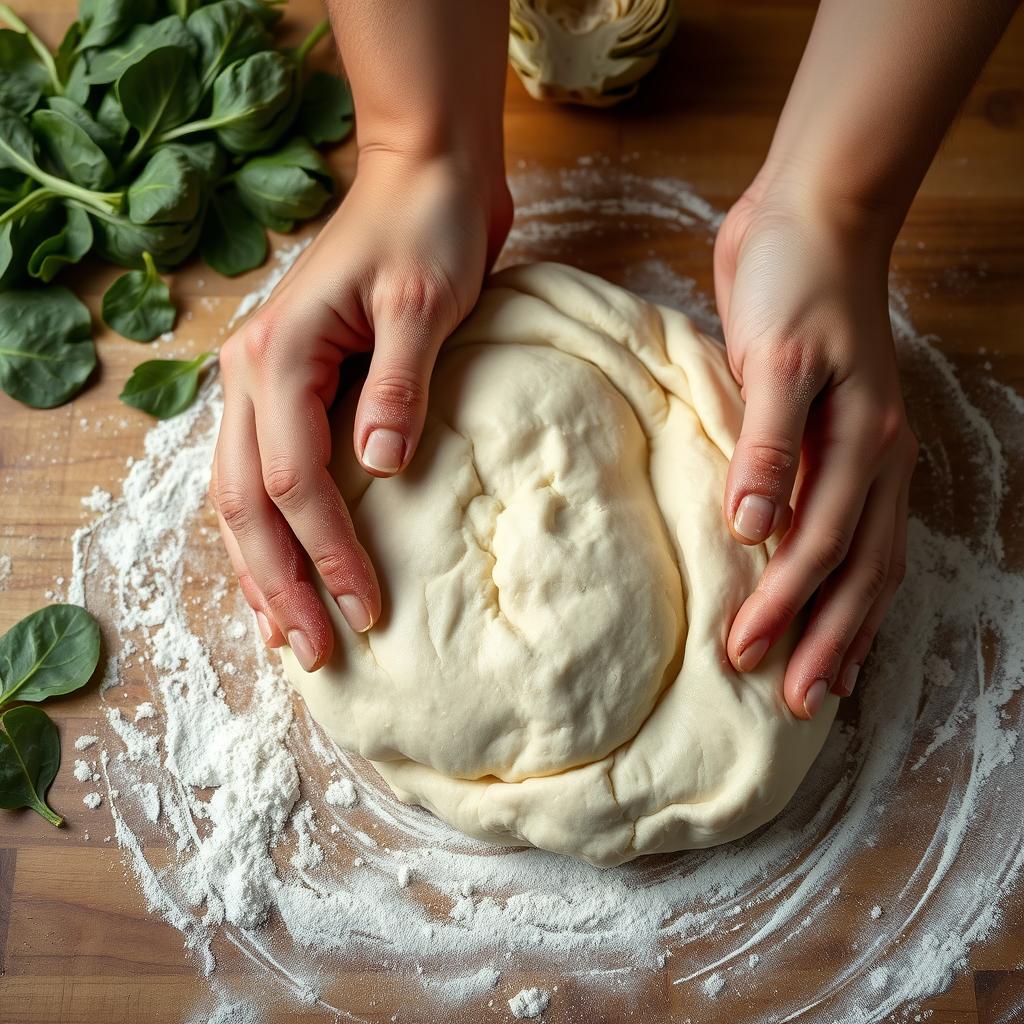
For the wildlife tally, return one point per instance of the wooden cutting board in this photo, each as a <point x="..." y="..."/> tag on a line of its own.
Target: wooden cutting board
<point x="76" y="942"/>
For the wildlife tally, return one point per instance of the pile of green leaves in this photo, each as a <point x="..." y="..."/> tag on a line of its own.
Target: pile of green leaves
<point x="156" y="129"/>
<point x="51" y="652"/>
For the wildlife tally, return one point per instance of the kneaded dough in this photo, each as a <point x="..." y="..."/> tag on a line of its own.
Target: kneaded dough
<point x="558" y="584"/>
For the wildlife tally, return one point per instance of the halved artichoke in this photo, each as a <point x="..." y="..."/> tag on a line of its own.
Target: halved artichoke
<point x="587" y="51"/>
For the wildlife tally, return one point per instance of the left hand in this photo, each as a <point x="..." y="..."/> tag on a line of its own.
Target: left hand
<point x="826" y="453"/>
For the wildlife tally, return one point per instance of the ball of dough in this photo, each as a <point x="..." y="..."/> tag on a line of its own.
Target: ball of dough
<point x="558" y="585"/>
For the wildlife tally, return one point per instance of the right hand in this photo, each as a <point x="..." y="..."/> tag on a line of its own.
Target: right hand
<point x="395" y="270"/>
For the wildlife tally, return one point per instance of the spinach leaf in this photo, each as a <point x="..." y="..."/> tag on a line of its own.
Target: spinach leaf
<point x="183" y="8"/>
<point x="18" y="153"/>
<point x="326" y="113"/>
<point x="226" y="31"/>
<point x="138" y="304"/>
<point x="42" y="52"/>
<point x="46" y="351"/>
<point x="69" y="146"/>
<point x="268" y="11"/>
<point x="23" y="80"/>
<point x="104" y="137"/>
<point x="29" y="759"/>
<point x="48" y="653"/>
<point x="120" y="240"/>
<point x="253" y="101"/>
<point x="280" y="188"/>
<point x="233" y="240"/>
<point x="108" y="65"/>
<point x="169" y="189"/>
<point x="68" y="245"/>
<point x="13" y="188"/>
<point x="111" y="116"/>
<point x="164" y="387"/>
<point x="25" y="227"/>
<point x="107" y="20"/>
<point x="156" y="93"/>
<point x="77" y="88"/>
<point x="67" y="52"/>
<point x="206" y="157"/>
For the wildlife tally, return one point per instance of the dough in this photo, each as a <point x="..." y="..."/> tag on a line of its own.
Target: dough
<point x="587" y="51"/>
<point x="558" y="584"/>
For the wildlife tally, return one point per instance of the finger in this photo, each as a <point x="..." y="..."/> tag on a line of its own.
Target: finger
<point x="266" y="544"/>
<point x="844" y="602"/>
<point x="294" y="438"/>
<point x="271" y="634"/>
<point x="764" y="463"/>
<point x="865" y="637"/>
<point x="409" y="328"/>
<point x="828" y="508"/>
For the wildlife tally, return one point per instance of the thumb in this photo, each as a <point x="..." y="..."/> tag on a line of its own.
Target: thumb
<point x="764" y="464"/>
<point x="393" y="402"/>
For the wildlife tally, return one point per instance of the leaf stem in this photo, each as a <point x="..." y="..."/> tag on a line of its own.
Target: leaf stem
<point x="44" y="55"/>
<point x="314" y="37"/>
<point x="20" y="208"/>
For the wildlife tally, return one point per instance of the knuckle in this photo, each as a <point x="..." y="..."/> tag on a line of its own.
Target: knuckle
<point x="398" y="390"/>
<point x="283" y="482"/>
<point x="829" y="550"/>
<point x="334" y="567"/>
<point x="775" y="461"/>
<point x="279" y="593"/>
<point x="256" y="339"/>
<point x="421" y="297"/>
<point x="874" y="575"/>
<point x="236" y="508"/>
<point x="897" y="572"/>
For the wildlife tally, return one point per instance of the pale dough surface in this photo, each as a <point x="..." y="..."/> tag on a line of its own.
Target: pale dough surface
<point x="558" y="582"/>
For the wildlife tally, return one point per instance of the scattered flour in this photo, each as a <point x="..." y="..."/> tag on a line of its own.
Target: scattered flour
<point x="92" y="800"/>
<point x="341" y="793"/>
<point x="244" y="855"/>
<point x="529" y="1003"/>
<point x="83" y="773"/>
<point x="713" y="985"/>
<point x="85" y="742"/>
<point x="145" y="710"/>
<point x="5" y="570"/>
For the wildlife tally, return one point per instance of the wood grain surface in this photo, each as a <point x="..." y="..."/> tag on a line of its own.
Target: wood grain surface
<point x="76" y="941"/>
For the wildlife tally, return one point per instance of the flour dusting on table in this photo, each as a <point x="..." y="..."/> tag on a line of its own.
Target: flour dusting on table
<point x="288" y="857"/>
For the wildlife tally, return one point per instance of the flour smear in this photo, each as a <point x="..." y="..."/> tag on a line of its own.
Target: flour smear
<point x="288" y="868"/>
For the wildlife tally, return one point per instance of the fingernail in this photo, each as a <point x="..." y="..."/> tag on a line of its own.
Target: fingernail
<point x="752" y="654"/>
<point x="302" y="649"/>
<point x="754" y="518"/>
<point x="815" y="695"/>
<point x="849" y="680"/>
<point x="384" y="450"/>
<point x="264" y="623"/>
<point x="355" y="612"/>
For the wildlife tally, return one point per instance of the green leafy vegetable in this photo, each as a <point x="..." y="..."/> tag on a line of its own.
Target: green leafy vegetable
<point x="138" y="304"/>
<point x="122" y="241"/>
<point x="226" y="31"/>
<point x="169" y="189"/>
<point x="24" y="78"/>
<point x="326" y="113"/>
<point x="164" y="387"/>
<point x="233" y="240"/>
<point x="111" y="116"/>
<point x="67" y="52"/>
<point x="107" y="20"/>
<point x="46" y="348"/>
<point x="29" y="759"/>
<point x="68" y="245"/>
<point x="108" y="65"/>
<point x="99" y="133"/>
<point x="292" y="184"/>
<point x="51" y="652"/>
<point x="156" y="93"/>
<point x="69" y="147"/>
<point x="42" y="54"/>
<point x="24" y="228"/>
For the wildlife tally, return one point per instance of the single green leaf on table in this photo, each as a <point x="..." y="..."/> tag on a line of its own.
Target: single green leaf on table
<point x="293" y="183"/>
<point x="108" y="65"/>
<point x="168" y="190"/>
<point x="326" y="113"/>
<point x="68" y="245"/>
<point x="69" y="146"/>
<point x="226" y="31"/>
<point x="46" y="348"/>
<point x="233" y="240"/>
<point x="23" y="78"/>
<point x="105" y="21"/>
<point x="138" y="304"/>
<point x="157" y="93"/>
<point x="29" y="759"/>
<point x="49" y="653"/>
<point x="164" y="387"/>
<point x="104" y="137"/>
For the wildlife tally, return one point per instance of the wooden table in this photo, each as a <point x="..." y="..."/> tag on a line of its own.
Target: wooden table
<point x="76" y="942"/>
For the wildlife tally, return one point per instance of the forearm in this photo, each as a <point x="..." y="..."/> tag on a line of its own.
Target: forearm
<point x="878" y="85"/>
<point x="427" y="76"/>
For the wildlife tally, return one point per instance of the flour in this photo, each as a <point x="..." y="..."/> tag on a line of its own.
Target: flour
<point x="258" y="870"/>
<point x="529" y="1003"/>
<point x="92" y="800"/>
<point x="5" y="570"/>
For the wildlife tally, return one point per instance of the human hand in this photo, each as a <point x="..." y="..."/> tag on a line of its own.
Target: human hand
<point x="804" y="305"/>
<point x="395" y="270"/>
